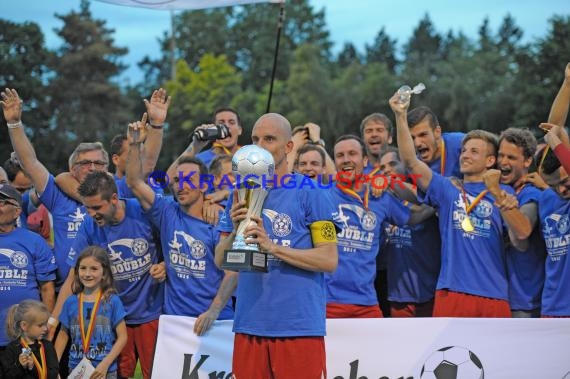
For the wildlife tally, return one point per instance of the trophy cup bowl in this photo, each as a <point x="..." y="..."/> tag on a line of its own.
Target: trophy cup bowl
<point x="252" y="166"/>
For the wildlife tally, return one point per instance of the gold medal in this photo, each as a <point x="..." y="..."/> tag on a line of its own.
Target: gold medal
<point x="466" y="224"/>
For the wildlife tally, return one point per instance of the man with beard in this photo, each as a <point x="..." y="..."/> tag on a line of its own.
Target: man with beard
<point x="440" y="151"/>
<point x="124" y="230"/>
<point x="194" y="286"/>
<point x="525" y="258"/>
<point x="376" y="132"/>
<point x="472" y="280"/>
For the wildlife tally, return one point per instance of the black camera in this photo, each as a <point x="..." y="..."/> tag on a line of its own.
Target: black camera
<point x="212" y="133"/>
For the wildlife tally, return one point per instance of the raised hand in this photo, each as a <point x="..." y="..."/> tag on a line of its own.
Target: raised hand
<point x="157" y="107"/>
<point x="11" y="105"/>
<point x="397" y="107"/>
<point x="136" y="132"/>
<point x="314" y="131"/>
<point x="492" y="178"/>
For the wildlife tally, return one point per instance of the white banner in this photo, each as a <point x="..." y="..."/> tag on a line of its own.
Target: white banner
<point x="184" y="4"/>
<point x="427" y="348"/>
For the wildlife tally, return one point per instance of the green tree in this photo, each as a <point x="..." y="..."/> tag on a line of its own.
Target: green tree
<point x="382" y="50"/>
<point x="347" y="55"/>
<point x="87" y="104"/>
<point x="24" y="67"/>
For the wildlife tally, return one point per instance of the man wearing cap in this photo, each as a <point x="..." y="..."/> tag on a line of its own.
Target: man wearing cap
<point x="27" y="265"/>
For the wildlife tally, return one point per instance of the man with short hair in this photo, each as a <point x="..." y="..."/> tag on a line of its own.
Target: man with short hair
<point x="124" y="230"/>
<point x="280" y="315"/>
<point x="472" y="281"/>
<point x="376" y="132"/>
<point x="350" y="289"/>
<point x="226" y="146"/>
<point x="525" y="261"/>
<point x="310" y="161"/>
<point x="440" y="151"/>
<point x="194" y="287"/>
<point x="67" y="213"/>
<point x="412" y="254"/>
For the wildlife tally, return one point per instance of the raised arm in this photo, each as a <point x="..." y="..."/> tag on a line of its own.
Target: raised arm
<point x="559" y="109"/>
<point x="519" y="225"/>
<point x="192" y="150"/>
<point x="156" y="109"/>
<point x="136" y="135"/>
<point x="406" y="144"/>
<point x="12" y="108"/>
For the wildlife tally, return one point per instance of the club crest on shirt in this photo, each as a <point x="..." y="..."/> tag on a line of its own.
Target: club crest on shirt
<point x="139" y="246"/>
<point x="197" y="247"/>
<point x="281" y="223"/>
<point x="367" y="219"/>
<point x="484" y="209"/>
<point x="19" y="259"/>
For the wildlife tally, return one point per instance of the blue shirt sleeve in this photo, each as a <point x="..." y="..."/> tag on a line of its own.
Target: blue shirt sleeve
<point x="44" y="263"/>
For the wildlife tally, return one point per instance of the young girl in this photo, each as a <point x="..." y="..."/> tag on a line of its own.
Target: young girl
<point x="29" y="355"/>
<point x="94" y="316"/>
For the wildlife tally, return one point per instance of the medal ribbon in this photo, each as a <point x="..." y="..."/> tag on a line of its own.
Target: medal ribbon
<point x="354" y="194"/>
<point x="442" y="159"/>
<point x="469" y="207"/>
<point x="225" y="149"/>
<point x="41" y="367"/>
<point x="86" y="335"/>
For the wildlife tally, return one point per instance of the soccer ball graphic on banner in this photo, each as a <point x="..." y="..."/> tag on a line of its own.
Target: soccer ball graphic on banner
<point x="452" y="362"/>
<point x="254" y="160"/>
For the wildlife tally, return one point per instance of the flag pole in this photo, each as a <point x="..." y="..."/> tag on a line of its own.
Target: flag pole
<point x="276" y="53"/>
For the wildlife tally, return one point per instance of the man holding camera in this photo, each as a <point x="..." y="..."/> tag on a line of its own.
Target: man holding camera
<point x="224" y="144"/>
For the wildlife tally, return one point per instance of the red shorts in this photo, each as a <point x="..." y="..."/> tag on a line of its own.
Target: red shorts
<point x="336" y="310"/>
<point x="458" y="304"/>
<point x="141" y="340"/>
<point x="278" y="358"/>
<point x="411" y="309"/>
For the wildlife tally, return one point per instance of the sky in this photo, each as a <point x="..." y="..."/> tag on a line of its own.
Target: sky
<point x="356" y="21"/>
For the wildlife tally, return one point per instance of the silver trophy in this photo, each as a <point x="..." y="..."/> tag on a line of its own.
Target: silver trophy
<point x="405" y="92"/>
<point x="254" y="167"/>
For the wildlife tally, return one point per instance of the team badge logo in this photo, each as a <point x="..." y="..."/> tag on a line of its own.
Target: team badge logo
<point x="139" y="247"/>
<point x="197" y="249"/>
<point x="19" y="259"/>
<point x="281" y="223"/>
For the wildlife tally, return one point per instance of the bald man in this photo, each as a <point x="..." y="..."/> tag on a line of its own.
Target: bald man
<point x="280" y="315"/>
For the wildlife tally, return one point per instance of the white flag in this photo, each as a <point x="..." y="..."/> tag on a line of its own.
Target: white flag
<point x="184" y="4"/>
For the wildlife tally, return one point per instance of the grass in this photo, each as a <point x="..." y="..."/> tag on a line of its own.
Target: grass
<point x="138" y="372"/>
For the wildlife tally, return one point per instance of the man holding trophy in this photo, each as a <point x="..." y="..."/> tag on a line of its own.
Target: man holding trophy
<point x="280" y="315"/>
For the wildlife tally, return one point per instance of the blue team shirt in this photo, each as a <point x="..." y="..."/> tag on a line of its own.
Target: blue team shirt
<point x="192" y="279"/>
<point x="287" y="301"/>
<point x="413" y="255"/>
<point x="125" y="192"/>
<point x="452" y="152"/>
<point x="132" y="250"/>
<point x="67" y="215"/>
<point x="555" y="222"/>
<point x="472" y="263"/>
<point x="109" y="314"/>
<point x="25" y="260"/>
<point x="206" y="156"/>
<point x="526" y="268"/>
<point x="358" y="244"/>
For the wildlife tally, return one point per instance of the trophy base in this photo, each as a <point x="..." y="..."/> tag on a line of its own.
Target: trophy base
<point x="244" y="260"/>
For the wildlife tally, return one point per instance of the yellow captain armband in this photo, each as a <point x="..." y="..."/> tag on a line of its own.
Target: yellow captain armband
<point x="323" y="231"/>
